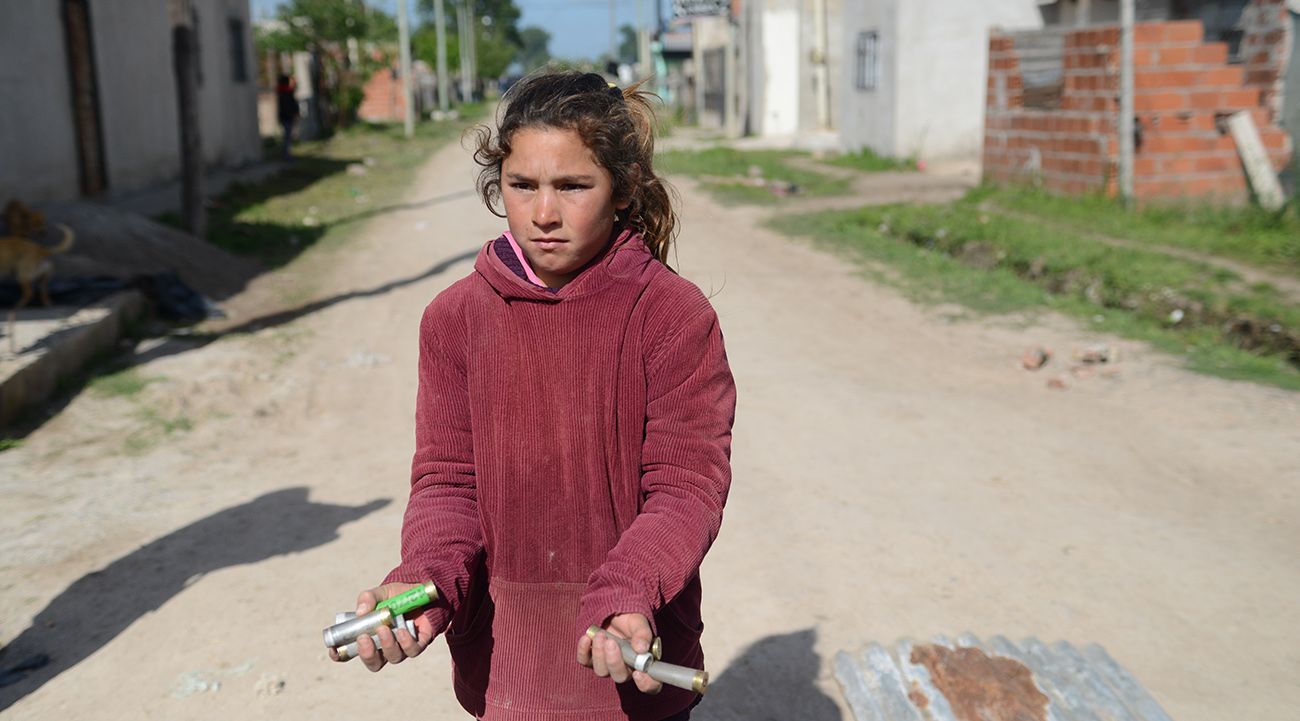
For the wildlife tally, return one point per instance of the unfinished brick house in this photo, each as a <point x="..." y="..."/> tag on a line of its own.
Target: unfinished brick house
<point x="1053" y="104"/>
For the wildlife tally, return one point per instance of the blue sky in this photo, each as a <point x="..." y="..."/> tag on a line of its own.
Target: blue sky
<point x="578" y="28"/>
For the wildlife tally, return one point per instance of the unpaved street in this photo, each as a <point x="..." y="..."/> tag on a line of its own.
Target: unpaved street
<point x="176" y="551"/>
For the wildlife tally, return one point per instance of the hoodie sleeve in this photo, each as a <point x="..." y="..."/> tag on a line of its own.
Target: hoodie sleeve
<point x="685" y="477"/>
<point x="442" y="537"/>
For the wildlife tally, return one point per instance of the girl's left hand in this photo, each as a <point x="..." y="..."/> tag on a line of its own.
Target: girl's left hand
<point x="603" y="656"/>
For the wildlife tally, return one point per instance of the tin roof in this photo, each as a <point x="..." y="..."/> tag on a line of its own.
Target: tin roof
<point x="994" y="680"/>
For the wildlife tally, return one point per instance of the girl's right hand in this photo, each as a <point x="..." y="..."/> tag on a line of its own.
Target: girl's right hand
<point x="393" y="648"/>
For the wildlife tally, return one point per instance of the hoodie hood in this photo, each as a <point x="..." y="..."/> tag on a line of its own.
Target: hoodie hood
<point x="626" y="259"/>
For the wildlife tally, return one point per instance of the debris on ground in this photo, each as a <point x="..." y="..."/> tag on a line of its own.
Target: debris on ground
<point x="779" y="188"/>
<point x="269" y="684"/>
<point x="1057" y="383"/>
<point x="191" y="683"/>
<point x="1096" y="354"/>
<point x="1035" y="358"/>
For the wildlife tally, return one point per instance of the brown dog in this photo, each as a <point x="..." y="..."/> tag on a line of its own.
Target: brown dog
<point x="27" y="261"/>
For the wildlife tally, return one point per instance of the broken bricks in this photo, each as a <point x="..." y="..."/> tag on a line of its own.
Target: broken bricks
<point x="1035" y="358"/>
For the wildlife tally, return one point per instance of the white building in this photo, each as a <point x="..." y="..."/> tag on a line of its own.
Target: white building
<point x="90" y="95"/>
<point x="912" y="83"/>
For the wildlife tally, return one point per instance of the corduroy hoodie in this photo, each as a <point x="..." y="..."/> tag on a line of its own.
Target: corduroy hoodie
<point x="572" y="462"/>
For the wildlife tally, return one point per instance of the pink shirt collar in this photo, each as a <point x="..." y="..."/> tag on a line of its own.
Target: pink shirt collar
<point x="519" y="253"/>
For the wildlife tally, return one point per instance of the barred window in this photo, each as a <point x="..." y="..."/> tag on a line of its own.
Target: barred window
<point x="867" y="74"/>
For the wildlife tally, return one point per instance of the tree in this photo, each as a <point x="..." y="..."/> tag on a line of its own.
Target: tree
<point x="313" y="24"/>
<point x="628" y="45"/>
<point x="496" y="34"/>
<point x="322" y="28"/>
<point x="536" y="50"/>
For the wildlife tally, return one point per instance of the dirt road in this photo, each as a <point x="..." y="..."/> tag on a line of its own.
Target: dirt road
<point x="176" y="550"/>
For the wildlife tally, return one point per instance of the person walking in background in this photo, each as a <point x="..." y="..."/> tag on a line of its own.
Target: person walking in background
<point x="287" y="111"/>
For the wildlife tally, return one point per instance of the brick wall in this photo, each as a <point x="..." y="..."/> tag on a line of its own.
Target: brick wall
<point x="1184" y="89"/>
<point x="383" y="101"/>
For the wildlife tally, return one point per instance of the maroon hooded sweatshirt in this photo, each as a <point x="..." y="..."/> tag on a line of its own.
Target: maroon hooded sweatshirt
<point x="572" y="461"/>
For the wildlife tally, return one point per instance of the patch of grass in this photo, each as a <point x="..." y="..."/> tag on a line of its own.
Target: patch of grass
<point x="9" y="444"/>
<point x="155" y="428"/>
<point x="358" y="173"/>
<point x="995" y="264"/>
<point x="1249" y="234"/>
<point x="122" y="384"/>
<point x="722" y="162"/>
<point x="866" y="160"/>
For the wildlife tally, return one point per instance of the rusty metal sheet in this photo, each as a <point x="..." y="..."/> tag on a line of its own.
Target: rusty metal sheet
<point x="969" y="679"/>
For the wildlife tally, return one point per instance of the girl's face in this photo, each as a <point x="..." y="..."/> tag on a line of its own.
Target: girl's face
<point x="559" y="202"/>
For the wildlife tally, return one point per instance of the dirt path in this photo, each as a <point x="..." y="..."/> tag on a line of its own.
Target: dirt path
<point x="897" y="475"/>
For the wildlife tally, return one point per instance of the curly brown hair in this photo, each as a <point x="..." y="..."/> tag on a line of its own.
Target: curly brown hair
<point x="616" y="125"/>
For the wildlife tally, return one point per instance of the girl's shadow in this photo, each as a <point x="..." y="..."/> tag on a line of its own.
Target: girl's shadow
<point x="775" y="679"/>
<point x="98" y="606"/>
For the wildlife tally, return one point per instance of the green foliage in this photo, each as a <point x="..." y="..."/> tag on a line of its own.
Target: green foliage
<point x="534" y="49"/>
<point x="495" y="52"/>
<point x="315" y="200"/>
<point x="497" y="41"/>
<point x="8" y="444"/>
<point x="628" y="45"/>
<point x="715" y="164"/>
<point x="122" y="384"/>
<point x="868" y="161"/>
<point x="424" y="46"/>
<point x="309" y="24"/>
<point x="997" y="264"/>
<point x="1250" y="234"/>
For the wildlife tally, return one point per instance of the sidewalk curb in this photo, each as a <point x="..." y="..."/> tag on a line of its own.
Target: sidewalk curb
<point x="84" y="334"/>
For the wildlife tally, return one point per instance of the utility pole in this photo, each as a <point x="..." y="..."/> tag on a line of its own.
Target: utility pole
<point x="613" y="32"/>
<point x="462" y="31"/>
<point x="404" y="37"/>
<point x="440" y="22"/>
<point x="186" y="70"/>
<point x="471" y="24"/>
<point x="1126" y="150"/>
<point x="646" y="68"/>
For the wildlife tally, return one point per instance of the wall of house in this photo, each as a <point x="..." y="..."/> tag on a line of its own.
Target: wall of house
<point x="942" y="55"/>
<point x="227" y="105"/>
<point x="137" y="92"/>
<point x="1184" y="88"/>
<point x="38" y="152"/>
<point x="868" y="118"/>
<point x="782" y="92"/>
<point x="137" y="96"/>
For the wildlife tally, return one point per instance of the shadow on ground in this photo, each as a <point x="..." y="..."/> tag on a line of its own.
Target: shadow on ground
<point x="97" y="607"/>
<point x="775" y="679"/>
<point x="181" y="343"/>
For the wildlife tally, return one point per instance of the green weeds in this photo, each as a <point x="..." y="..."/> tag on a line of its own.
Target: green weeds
<point x="996" y="264"/>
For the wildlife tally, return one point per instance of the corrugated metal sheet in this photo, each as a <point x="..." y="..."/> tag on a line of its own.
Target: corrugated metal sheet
<point x="969" y="679"/>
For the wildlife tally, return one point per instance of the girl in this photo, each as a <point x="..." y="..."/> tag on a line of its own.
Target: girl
<point x="573" y="426"/>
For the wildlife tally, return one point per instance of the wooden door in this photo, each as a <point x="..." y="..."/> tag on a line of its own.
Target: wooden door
<point x="85" y="96"/>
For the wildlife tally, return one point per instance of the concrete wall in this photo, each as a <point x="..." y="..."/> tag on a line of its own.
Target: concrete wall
<point x="137" y="96"/>
<point x="780" y="70"/>
<point x="228" y="108"/>
<point x="137" y="92"/>
<point x="942" y="56"/>
<point x="38" y="155"/>
<point x="868" y="118"/>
